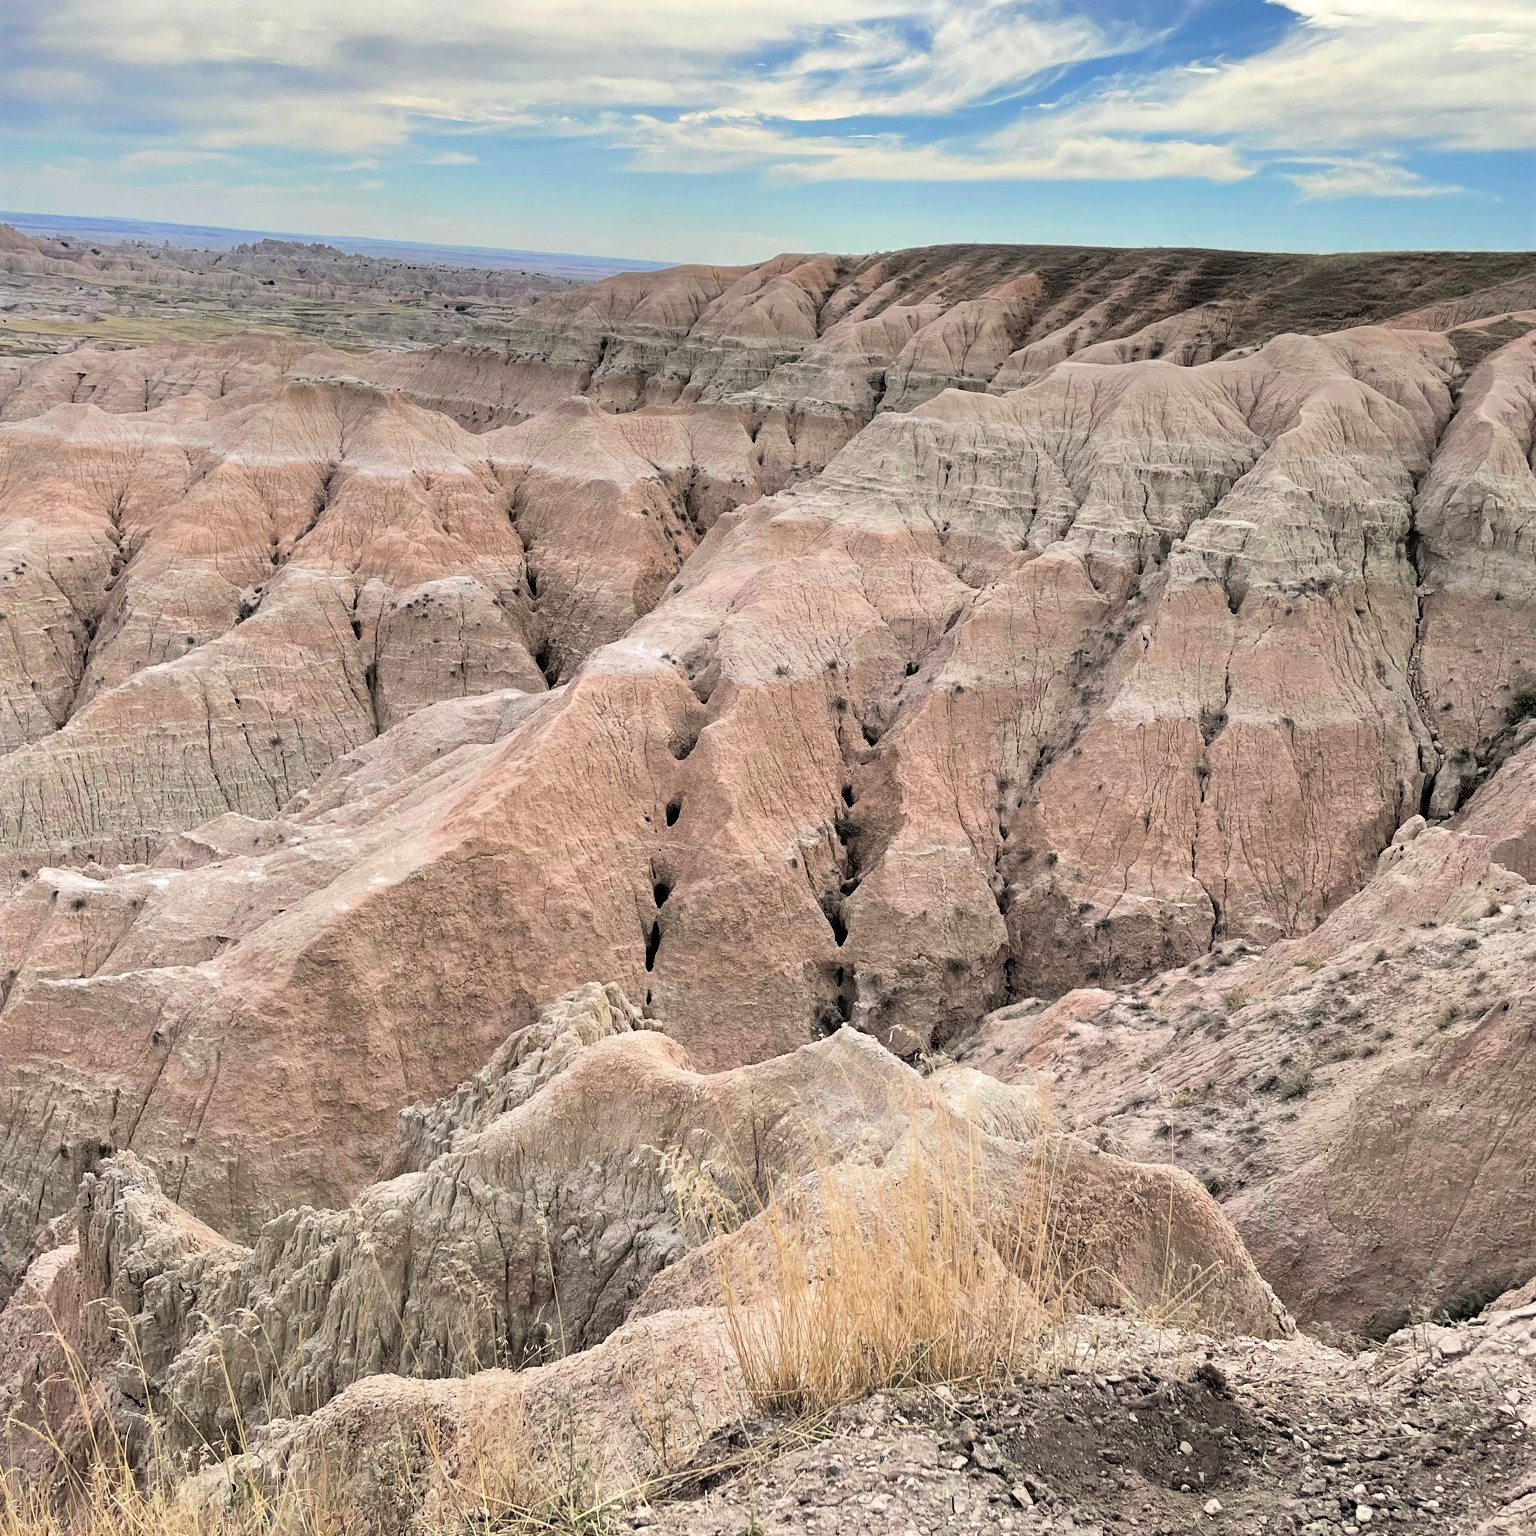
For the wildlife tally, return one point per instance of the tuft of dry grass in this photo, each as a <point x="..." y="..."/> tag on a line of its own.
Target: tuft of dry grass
<point x="516" y="1480"/>
<point x="107" y="1500"/>
<point x="904" y="1276"/>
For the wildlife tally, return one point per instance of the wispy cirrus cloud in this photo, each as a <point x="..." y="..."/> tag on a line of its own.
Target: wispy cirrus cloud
<point x="801" y="91"/>
<point x="160" y="159"/>
<point x="706" y="143"/>
<point x="1355" y="74"/>
<point x="1373" y="177"/>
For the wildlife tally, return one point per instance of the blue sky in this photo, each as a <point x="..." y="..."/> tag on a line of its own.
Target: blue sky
<point x="726" y="130"/>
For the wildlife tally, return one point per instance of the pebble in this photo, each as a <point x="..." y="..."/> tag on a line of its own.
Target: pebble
<point x="1213" y="1506"/>
<point x="1185" y="1448"/>
<point x="1363" y="1513"/>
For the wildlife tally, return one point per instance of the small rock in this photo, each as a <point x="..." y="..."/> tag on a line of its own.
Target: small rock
<point x="1451" y="1346"/>
<point x="1211" y="1377"/>
<point x="1363" y="1513"/>
<point x="1185" y="1448"/>
<point x="1212" y="1507"/>
<point x="1021" y="1496"/>
<point x="985" y="1455"/>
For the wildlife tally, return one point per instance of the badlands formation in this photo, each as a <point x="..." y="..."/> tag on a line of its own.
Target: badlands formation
<point x="773" y="723"/>
<point x="58" y="293"/>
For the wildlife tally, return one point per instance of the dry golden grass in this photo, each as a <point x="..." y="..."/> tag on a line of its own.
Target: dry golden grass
<point x="101" y="1485"/>
<point x="112" y="1504"/>
<point x="899" y="1277"/>
<point x="497" y="1482"/>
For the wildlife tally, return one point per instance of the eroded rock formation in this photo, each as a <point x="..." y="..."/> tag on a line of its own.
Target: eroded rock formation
<point x="878" y="642"/>
<point x="537" y="1210"/>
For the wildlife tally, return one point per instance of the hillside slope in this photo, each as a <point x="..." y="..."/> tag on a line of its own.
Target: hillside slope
<point x="883" y="641"/>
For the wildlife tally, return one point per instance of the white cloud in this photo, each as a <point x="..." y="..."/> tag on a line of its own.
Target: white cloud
<point x="781" y="85"/>
<point x="1359" y="74"/>
<point x="1364" y="178"/>
<point x="162" y="159"/>
<point x="359" y="76"/>
<point x="704" y="143"/>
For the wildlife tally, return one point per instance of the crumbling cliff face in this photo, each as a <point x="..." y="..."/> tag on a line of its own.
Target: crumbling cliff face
<point x="836" y="642"/>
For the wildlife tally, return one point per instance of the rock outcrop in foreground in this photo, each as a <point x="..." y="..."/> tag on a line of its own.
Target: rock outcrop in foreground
<point x="1112" y="672"/>
<point x="542" y="1209"/>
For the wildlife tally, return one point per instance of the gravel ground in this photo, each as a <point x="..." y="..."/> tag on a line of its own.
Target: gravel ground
<point x="1160" y="1434"/>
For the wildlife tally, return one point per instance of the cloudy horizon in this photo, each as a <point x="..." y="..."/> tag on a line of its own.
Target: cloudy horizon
<point x="695" y="130"/>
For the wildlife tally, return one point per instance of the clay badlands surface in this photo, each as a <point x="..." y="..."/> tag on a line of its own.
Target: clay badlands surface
<point x="724" y="703"/>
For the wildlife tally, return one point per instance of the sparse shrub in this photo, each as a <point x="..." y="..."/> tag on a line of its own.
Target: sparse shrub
<point x="1235" y="999"/>
<point x="1522" y="705"/>
<point x="1294" y="1085"/>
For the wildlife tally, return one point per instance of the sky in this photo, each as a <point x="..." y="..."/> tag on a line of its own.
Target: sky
<point x="728" y="130"/>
